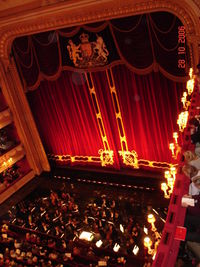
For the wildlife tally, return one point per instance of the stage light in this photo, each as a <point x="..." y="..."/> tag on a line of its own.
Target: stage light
<point x="99" y="243"/>
<point x="116" y="247"/>
<point x="135" y="250"/>
<point x="86" y="236"/>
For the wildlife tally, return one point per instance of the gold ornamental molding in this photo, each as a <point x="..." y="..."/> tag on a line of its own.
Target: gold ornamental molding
<point x="81" y="12"/>
<point x="14" y="95"/>
<point x="130" y="158"/>
<point x="76" y="158"/>
<point x="104" y="159"/>
<point x="197" y="3"/>
<point x="5" y="118"/>
<point x="97" y="110"/>
<point x="106" y="155"/>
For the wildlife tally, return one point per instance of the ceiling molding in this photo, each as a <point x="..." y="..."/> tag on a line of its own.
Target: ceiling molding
<point x="197" y="3"/>
<point x="67" y="13"/>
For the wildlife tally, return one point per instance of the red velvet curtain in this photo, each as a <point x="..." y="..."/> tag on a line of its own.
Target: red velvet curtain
<point x="67" y="123"/>
<point x="65" y="117"/>
<point x="150" y="105"/>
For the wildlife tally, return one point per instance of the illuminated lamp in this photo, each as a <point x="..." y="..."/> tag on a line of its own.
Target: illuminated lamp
<point x="172" y="147"/>
<point x="175" y="136"/>
<point x="182" y="120"/>
<point x="173" y="172"/>
<point x="167" y="174"/>
<point x="190" y="86"/>
<point x="151" y="219"/>
<point x="164" y="188"/>
<point x="148" y="244"/>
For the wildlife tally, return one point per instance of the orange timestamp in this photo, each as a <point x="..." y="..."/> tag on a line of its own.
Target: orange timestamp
<point x="181" y="47"/>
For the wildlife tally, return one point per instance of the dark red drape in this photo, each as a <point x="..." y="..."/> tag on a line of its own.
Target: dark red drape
<point x="143" y="42"/>
<point x="67" y="122"/>
<point x="149" y="106"/>
<point x="64" y="115"/>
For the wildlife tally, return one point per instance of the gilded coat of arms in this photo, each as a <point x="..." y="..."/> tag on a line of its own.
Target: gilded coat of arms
<point x="88" y="54"/>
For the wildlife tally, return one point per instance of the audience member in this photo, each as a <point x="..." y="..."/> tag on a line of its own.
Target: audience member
<point x="195" y="134"/>
<point x="60" y="216"/>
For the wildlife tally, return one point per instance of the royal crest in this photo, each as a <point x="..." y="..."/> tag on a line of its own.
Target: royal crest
<point x="88" y="54"/>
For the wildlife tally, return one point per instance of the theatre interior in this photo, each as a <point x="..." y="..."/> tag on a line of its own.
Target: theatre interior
<point x="100" y="133"/>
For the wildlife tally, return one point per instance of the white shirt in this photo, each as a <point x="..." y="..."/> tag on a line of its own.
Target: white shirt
<point x="193" y="190"/>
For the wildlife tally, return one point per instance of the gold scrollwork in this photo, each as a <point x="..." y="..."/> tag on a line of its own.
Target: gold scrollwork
<point x="130" y="158"/>
<point x="106" y="157"/>
<point x="97" y="110"/>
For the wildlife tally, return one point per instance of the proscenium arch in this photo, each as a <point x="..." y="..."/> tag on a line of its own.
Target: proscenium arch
<point x="42" y="21"/>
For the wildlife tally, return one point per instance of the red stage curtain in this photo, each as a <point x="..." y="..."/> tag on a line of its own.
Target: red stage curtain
<point x="64" y="115"/>
<point x="150" y="105"/>
<point x="67" y="124"/>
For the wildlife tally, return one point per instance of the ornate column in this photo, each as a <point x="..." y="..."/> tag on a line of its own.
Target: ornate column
<point x="22" y="116"/>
